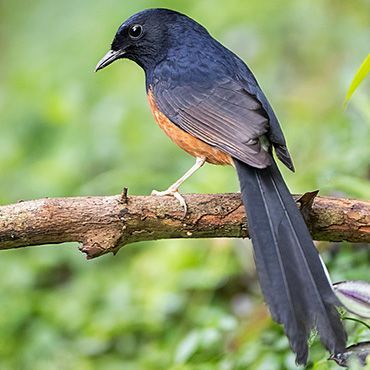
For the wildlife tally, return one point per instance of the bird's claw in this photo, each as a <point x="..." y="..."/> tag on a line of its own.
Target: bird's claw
<point x="173" y="193"/>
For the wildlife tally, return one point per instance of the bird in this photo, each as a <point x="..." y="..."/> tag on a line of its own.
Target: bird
<point x="207" y="100"/>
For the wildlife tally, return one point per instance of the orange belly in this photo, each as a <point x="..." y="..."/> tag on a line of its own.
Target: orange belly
<point x="187" y="142"/>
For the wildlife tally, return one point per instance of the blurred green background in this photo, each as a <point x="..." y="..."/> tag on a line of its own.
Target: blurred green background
<point x="180" y="305"/>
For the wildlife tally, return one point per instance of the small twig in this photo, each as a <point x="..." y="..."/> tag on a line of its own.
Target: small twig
<point x="356" y="320"/>
<point x="124" y="197"/>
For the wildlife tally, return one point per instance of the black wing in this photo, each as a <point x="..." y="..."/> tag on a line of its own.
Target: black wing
<point x="224" y="116"/>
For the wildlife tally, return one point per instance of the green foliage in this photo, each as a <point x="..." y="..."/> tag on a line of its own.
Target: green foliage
<point x="360" y="75"/>
<point x="179" y="305"/>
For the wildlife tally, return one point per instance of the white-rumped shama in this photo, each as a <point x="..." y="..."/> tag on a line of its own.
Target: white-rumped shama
<point x="208" y="102"/>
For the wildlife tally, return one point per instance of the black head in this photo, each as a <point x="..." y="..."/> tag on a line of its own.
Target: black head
<point x="147" y="36"/>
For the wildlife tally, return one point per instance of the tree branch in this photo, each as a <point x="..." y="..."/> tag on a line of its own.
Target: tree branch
<point x="105" y="224"/>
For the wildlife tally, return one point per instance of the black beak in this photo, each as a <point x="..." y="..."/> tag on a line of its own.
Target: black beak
<point x="109" y="58"/>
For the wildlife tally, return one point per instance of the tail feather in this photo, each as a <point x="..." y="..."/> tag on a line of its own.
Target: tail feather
<point x="291" y="275"/>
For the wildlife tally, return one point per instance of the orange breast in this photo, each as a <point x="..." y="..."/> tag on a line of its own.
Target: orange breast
<point x="187" y="142"/>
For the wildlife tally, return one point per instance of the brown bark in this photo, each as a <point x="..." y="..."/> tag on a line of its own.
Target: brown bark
<point x="105" y="224"/>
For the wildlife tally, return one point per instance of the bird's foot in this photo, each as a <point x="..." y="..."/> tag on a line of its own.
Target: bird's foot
<point x="172" y="192"/>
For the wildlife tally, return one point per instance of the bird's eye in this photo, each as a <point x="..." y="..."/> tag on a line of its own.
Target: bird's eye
<point x="135" y="31"/>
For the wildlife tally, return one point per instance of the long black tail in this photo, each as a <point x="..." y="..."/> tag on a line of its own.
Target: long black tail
<point x="290" y="272"/>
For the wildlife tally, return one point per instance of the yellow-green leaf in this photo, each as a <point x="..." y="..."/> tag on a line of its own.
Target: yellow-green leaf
<point x="359" y="77"/>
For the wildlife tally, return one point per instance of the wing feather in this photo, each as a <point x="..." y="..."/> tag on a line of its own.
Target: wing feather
<point x="225" y="116"/>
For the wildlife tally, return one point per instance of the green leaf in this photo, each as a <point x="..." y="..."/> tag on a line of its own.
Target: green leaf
<point x="360" y="75"/>
<point x="187" y="347"/>
<point x="355" y="296"/>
